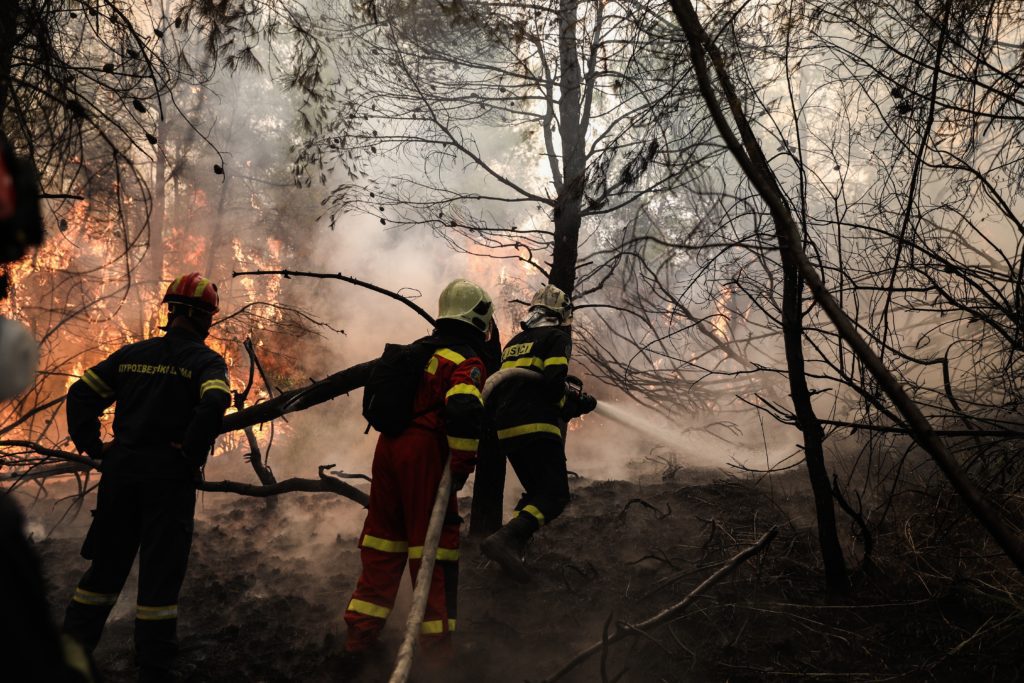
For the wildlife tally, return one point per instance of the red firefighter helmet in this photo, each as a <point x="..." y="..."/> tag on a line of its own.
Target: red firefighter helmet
<point x="193" y="290"/>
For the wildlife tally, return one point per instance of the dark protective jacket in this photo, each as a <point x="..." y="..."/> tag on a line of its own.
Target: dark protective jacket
<point x="171" y="394"/>
<point x="528" y="409"/>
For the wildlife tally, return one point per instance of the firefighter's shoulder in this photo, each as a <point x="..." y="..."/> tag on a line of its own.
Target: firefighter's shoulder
<point x="456" y="353"/>
<point x="141" y="347"/>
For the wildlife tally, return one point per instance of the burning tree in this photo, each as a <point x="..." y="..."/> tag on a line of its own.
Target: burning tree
<point x="114" y="105"/>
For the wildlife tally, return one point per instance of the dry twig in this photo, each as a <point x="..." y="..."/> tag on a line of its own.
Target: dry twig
<point x="668" y="613"/>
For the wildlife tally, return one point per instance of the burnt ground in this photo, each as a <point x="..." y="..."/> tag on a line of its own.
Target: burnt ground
<point x="266" y="589"/>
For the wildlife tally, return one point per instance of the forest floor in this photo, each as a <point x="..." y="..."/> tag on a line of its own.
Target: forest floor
<point x="266" y="589"/>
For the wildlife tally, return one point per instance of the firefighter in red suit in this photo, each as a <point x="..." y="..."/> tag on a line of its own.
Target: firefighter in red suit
<point x="407" y="468"/>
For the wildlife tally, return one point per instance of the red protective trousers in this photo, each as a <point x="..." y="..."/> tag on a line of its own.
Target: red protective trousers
<point x="406" y="473"/>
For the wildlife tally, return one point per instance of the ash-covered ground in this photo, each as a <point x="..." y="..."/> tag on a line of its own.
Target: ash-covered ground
<point x="266" y="589"/>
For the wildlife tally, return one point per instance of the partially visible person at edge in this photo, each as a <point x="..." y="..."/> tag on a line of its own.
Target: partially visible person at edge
<point x="31" y="649"/>
<point x="171" y="393"/>
<point x="529" y="414"/>
<point x="407" y="469"/>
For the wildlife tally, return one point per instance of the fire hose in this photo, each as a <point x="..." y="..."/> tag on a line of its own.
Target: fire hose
<point x="406" y="653"/>
<point x="403" y="663"/>
<point x="508" y="373"/>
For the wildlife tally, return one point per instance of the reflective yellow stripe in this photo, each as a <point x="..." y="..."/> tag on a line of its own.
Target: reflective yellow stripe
<point x="146" y="613"/>
<point x="533" y="512"/>
<point x="443" y="554"/>
<point x="214" y="385"/>
<point x="384" y="544"/>
<point x="531" y="428"/>
<point x="525" y="362"/>
<point x="434" y="627"/>
<point x="432" y="365"/>
<point x="561" y="402"/>
<point x="448" y="354"/>
<point x="76" y="658"/>
<point x="463" y="389"/>
<point x="200" y="288"/>
<point x="556" y="360"/>
<point x="368" y="608"/>
<point x="460" y="444"/>
<point x="93" y="381"/>
<point x="85" y="597"/>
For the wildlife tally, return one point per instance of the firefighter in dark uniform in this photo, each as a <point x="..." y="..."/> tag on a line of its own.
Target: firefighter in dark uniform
<point x="171" y="394"/>
<point x="529" y="413"/>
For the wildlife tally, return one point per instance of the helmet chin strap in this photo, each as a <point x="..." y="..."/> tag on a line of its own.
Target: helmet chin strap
<point x="539" y="317"/>
<point x="198" y="321"/>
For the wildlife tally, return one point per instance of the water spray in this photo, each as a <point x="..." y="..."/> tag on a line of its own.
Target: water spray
<point x="633" y="419"/>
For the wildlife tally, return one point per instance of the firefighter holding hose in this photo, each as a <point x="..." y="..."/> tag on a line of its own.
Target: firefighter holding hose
<point x="171" y="393"/>
<point x="530" y="399"/>
<point x="425" y="400"/>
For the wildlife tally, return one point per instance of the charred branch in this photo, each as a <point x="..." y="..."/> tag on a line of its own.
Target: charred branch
<point x="325" y="484"/>
<point x="624" y="630"/>
<point x="857" y="516"/>
<point x="326" y="389"/>
<point x="344" y="278"/>
<point x="658" y="514"/>
<point x="79" y="463"/>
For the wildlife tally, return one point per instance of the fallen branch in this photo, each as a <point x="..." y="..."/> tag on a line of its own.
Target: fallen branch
<point x="68" y="456"/>
<point x="30" y="413"/>
<point x="623" y="630"/>
<point x="325" y="484"/>
<point x="344" y="278"/>
<point x="337" y="384"/>
<point x="43" y="473"/>
<point x="658" y="514"/>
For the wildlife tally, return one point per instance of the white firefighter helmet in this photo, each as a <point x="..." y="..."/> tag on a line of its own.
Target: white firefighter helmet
<point x="466" y="301"/>
<point x="553" y="301"/>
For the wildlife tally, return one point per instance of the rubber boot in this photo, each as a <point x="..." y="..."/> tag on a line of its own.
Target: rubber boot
<point x="506" y="545"/>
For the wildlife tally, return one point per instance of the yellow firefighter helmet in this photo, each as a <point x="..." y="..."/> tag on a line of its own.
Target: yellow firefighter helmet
<point x="466" y="301"/>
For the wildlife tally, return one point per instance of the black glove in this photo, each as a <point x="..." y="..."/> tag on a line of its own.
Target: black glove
<point x="576" y="401"/>
<point x="459" y="480"/>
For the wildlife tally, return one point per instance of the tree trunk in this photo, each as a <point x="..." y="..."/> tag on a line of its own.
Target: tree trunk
<point x="8" y="30"/>
<point x="156" y="220"/>
<point x="836" y="580"/>
<point x="569" y="202"/>
<point x="488" y="487"/>
<point x="748" y="153"/>
<point x="217" y="234"/>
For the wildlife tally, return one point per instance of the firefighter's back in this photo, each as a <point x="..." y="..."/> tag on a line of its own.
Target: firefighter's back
<point x="532" y="405"/>
<point x="156" y="384"/>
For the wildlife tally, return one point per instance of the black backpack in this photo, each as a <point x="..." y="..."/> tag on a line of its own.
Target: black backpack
<point x="391" y="390"/>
